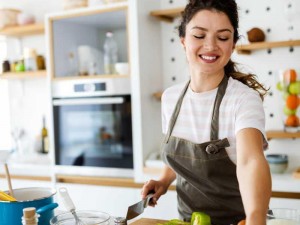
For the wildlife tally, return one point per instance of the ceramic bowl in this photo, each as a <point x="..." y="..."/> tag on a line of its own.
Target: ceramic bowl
<point x="278" y="162"/>
<point x="122" y="68"/>
<point x="88" y="217"/>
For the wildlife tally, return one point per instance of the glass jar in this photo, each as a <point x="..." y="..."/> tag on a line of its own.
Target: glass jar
<point x="88" y="217"/>
<point x="288" y="86"/>
<point x="120" y="221"/>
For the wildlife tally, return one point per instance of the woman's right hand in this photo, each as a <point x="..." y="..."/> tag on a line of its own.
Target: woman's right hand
<point x="158" y="188"/>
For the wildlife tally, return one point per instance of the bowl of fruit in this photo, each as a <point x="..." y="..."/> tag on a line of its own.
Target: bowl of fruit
<point x="288" y="86"/>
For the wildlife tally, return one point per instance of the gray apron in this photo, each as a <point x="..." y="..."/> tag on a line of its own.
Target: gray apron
<point x="206" y="177"/>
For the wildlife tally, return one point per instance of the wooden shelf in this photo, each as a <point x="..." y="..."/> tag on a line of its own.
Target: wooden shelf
<point x="167" y="15"/>
<point x="246" y="49"/>
<point x="104" y="76"/>
<point x="24" y="75"/>
<point x="24" y="30"/>
<point x="157" y="95"/>
<point x="276" y="134"/>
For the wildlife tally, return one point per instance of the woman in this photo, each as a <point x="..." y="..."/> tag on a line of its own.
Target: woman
<point x="214" y="125"/>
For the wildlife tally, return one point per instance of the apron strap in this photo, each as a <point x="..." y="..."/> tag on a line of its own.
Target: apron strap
<point x="215" y="116"/>
<point x="214" y="128"/>
<point x="176" y="112"/>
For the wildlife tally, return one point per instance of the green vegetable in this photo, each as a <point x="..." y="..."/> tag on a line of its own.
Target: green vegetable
<point x="175" y="222"/>
<point x="200" y="218"/>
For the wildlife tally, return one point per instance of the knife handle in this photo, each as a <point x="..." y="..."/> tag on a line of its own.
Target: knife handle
<point x="148" y="198"/>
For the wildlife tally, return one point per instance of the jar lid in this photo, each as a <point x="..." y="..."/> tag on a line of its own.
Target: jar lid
<point x="120" y="220"/>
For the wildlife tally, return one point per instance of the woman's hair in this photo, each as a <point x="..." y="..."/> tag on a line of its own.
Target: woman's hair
<point x="228" y="7"/>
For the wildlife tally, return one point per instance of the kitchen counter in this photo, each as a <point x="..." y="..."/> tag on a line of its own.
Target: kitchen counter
<point x="146" y="221"/>
<point x="283" y="185"/>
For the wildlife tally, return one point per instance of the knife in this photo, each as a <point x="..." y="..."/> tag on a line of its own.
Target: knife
<point x="138" y="208"/>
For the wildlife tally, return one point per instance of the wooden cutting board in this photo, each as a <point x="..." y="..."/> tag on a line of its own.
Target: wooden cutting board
<point x="146" y="221"/>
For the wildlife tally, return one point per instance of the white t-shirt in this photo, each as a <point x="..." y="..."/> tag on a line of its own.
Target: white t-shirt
<point x="240" y="108"/>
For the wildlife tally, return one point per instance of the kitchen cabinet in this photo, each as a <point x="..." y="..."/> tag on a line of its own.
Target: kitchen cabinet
<point x="138" y="38"/>
<point x="85" y="28"/>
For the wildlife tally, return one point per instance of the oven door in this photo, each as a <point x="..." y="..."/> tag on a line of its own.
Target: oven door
<point x="93" y="132"/>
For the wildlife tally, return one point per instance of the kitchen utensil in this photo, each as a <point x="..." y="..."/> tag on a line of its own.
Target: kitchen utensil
<point x="138" y="208"/>
<point x="8" y="180"/>
<point x="38" y="197"/>
<point x="69" y="205"/>
<point x="89" y="217"/>
<point x="6" y="197"/>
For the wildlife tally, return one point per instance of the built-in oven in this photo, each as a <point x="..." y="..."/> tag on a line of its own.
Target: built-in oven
<point x="93" y="125"/>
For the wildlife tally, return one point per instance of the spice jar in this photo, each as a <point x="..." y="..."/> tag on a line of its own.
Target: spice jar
<point x="5" y="66"/>
<point x="30" y="59"/>
<point x="40" y="61"/>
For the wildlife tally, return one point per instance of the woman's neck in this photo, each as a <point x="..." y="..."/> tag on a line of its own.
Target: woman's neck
<point x="205" y="82"/>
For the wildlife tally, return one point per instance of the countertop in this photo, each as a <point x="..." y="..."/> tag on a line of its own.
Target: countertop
<point x="43" y="170"/>
<point x="146" y="221"/>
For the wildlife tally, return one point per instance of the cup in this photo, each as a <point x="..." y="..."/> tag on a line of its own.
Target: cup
<point x="288" y="86"/>
<point x="122" y="68"/>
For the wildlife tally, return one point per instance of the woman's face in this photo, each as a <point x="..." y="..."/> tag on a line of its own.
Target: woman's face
<point x="208" y="42"/>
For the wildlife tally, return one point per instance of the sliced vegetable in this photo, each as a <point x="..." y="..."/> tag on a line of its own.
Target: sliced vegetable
<point x="200" y="218"/>
<point x="175" y="222"/>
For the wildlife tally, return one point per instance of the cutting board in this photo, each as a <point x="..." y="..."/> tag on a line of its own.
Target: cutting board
<point x="146" y="221"/>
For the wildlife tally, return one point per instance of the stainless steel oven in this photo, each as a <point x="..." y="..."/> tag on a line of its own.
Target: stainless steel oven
<point x="93" y="125"/>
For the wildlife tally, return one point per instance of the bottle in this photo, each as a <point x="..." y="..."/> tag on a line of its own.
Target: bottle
<point x="110" y="54"/>
<point x="30" y="59"/>
<point x="45" y="140"/>
<point x="30" y="217"/>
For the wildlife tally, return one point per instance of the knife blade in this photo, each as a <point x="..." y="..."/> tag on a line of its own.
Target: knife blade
<point x="138" y="208"/>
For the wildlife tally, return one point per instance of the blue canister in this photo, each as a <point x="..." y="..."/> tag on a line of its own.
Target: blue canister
<point x="37" y="197"/>
<point x="278" y="162"/>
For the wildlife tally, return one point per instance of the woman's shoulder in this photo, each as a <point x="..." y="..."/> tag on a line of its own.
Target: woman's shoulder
<point x="239" y="89"/>
<point x="174" y="91"/>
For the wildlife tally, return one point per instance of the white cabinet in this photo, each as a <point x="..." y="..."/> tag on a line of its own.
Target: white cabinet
<point x="85" y="28"/>
<point x="139" y="40"/>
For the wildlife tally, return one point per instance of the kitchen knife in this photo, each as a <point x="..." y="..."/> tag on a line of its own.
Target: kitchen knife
<point x="138" y="208"/>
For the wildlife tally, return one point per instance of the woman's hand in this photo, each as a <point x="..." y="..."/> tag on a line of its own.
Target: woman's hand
<point x="158" y="188"/>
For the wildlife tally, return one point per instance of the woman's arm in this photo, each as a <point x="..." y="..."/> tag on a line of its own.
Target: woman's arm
<point x="254" y="176"/>
<point x="159" y="187"/>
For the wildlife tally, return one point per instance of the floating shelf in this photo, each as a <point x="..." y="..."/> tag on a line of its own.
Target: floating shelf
<point x="276" y="134"/>
<point x="91" y="77"/>
<point x="24" y="30"/>
<point x="167" y="15"/>
<point x="246" y="49"/>
<point x="24" y="75"/>
<point x="157" y="95"/>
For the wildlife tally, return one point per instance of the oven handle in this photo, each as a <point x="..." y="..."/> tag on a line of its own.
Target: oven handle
<point x="90" y="101"/>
